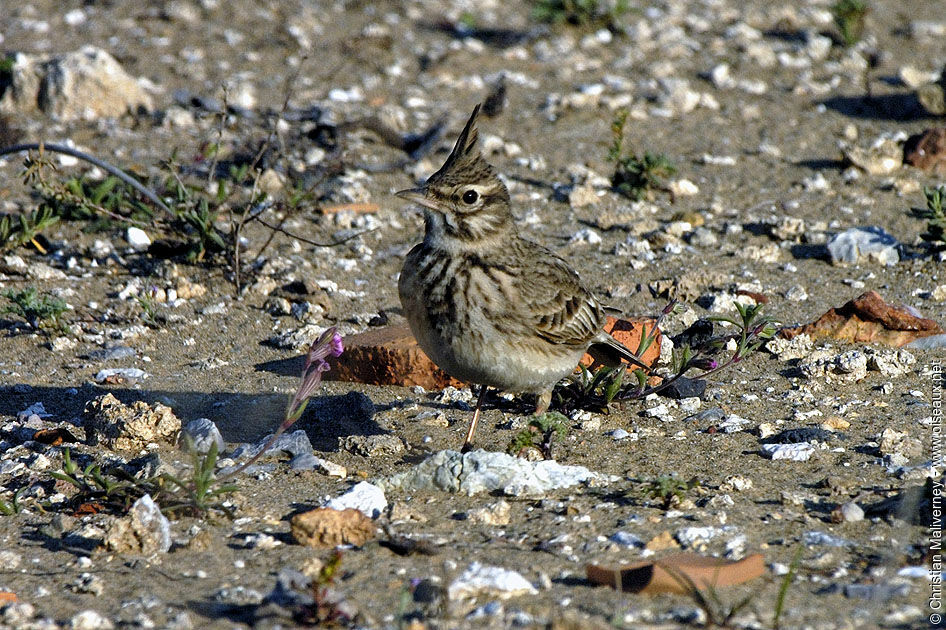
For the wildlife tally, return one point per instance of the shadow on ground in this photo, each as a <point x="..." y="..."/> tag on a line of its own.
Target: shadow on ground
<point x="240" y="417"/>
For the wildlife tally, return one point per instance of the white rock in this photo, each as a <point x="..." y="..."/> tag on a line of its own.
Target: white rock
<point x="80" y="85"/>
<point x="125" y="373"/>
<point x="867" y="244"/>
<point x="90" y="620"/>
<point x="700" y="535"/>
<point x="151" y="527"/>
<point x="364" y="496"/>
<point x="852" y="512"/>
<point x="490" y="581"/>
<point x="493" y="514"/>
<point x="137" y="238"/>
<point x="798" y="452"/>
<point x="485" y="471"/>
<point x="585" y="235"/>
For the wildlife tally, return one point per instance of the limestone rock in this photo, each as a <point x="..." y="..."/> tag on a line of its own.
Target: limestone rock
<point x="124" y="427"/>
<point x="81" y="85"/>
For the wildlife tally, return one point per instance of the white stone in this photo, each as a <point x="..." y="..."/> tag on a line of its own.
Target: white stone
<point x="490" y="581"/>
<point x="485" y="471"/>
<point x="137" y="238"/>
<point x="797" y="452"/>
<point x="90" y="620"/>
<point x="363" y="496"/>
<point x="867" y="244"/>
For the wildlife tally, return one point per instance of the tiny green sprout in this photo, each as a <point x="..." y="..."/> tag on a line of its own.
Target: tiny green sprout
<point x="13" y="506"/>
<point x="199" y="494"/>
<point x="584" y="13"/>
<point x="935" y="216"/>
<point x="39" y="311"/>
<point x="670" y="490"/>
<point x="542" y="431"/>
<point x="849" y="18"/>
<point x="635" y="177"/>
<point x="24" y="228"/>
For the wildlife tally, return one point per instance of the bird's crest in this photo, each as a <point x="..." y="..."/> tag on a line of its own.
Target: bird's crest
<point x="465" y="163"/>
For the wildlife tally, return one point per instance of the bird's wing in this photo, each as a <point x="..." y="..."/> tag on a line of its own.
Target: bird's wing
<point x="554" y="304"/>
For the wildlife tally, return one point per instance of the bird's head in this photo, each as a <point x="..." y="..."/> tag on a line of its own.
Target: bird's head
<point x="465" y="202"/>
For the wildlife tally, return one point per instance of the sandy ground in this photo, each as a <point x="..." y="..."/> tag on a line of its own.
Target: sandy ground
<point x="782" y="125"/>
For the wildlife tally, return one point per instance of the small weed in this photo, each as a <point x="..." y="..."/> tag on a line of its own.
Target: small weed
<point x="542" y="431"/>
<point x="635" y="177"/>
<point x="585" y="13"/>
<point x="670" y="490"/>
<point x="114" y="489"/>
<point x="935" y="216"/>
<point x="13" y="506"/>
<point x="849" y="18"/>
<point x="328" y="607"/>
<point x="592" y="389"/>
<point x="328" y="343"/>
<point x="201" y="492"/>
<point x="718" y="613"/>
<point x="24" y="228"/>
<point x="39" y="311"/>
<point x="783" y="587"/>
<point x="149" y="309"/>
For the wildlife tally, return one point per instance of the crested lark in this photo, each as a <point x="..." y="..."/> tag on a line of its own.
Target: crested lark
<point x="485" y="304"/>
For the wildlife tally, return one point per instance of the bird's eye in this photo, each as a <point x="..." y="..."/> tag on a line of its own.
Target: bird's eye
<point x="470" y="197"/>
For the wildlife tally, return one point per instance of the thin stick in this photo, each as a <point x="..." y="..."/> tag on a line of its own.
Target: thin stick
<point x="308" y="241"/>
<point x="102" y="164"/>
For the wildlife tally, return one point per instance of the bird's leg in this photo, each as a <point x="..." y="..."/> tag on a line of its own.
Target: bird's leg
<point x="468" y="442"/>
<point x="543" y="401"/>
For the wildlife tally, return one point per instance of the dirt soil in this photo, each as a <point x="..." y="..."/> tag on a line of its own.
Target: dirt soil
<point x="409" y="64"/>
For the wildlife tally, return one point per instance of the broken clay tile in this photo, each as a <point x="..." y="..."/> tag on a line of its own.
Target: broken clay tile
<point x="677" y="573"/>
<point x="389" y="355"/>
<point x="629" y="331"/>
<point x="868" y="319"/>
<point x="54" y="437"/>
<point x="927" y="151"/>
<point x="7" y="597"/>
<point x="325" y="527"/>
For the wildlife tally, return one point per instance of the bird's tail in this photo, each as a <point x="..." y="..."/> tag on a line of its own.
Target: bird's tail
<point x="609" y="351"/>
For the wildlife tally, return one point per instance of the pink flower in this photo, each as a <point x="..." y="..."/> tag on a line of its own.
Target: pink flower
<point x="337" y="347"/>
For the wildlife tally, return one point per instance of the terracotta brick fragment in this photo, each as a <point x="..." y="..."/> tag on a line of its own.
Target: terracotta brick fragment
<point x="868" y="319"/>
<point x="927" y="151"/>
<point x="629" y="331"/>
<point x="390" y="356"/>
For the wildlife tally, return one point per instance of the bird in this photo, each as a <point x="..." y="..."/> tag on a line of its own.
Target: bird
<point x="488" y="306"/>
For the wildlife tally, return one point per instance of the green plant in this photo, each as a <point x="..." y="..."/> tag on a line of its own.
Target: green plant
<point x="934" y="214"/>
<point x="39" y="311"/>
<point x="604" y="13"/>
<point x="24" y="228"/>
<point x="114" y="489"/>
<point x="541" y="432"/>
<point x="635" y="177"/>
<point x="199" y="494"/>
<point x="670" y="490"/>
<point x="13" y="506"/>
<point x="328" y="607"/>
<point x="592" y="389"/>
<point x="754" y="330"/>
<point x="718" y="613"/>
<point x="149" y="310"/>
<point x="783" y="587"/>
<point x="849" y="17"/>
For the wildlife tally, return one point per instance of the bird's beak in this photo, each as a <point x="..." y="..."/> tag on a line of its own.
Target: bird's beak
<point x="418" y="196"/>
